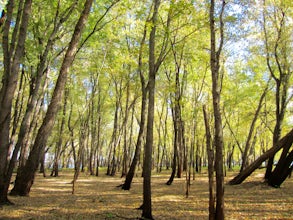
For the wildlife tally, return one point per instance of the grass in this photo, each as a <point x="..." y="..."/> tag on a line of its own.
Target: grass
<point x="99" y="198"/>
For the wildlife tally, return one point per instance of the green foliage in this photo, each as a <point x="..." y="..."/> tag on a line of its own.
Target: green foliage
<point x="109" y="57"/>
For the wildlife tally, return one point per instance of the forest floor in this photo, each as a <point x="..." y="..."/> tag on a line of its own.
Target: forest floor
<point x="100" y="198"/>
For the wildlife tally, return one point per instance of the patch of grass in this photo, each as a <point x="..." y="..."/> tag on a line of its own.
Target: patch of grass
<point x="99" y="198"/>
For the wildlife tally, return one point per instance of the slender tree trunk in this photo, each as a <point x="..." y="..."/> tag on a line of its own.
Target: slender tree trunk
<point x="82" y="140"/>
<point x="147" y="162"/>
<point x="216" y="91"/>
<point x="112" y="158"/>
<point x="99" y="134"/>
<point x="210" y="153"/>
<point x="125" y="131"/>
<point x="175" y="151"/>
<point x="58" y="150"/>
<point x="135" y="160"/>
<point x="24" y="181"/>
<point x="252" y="126"/>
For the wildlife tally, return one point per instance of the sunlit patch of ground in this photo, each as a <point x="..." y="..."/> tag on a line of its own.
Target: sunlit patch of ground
<point x="99" y="198"/>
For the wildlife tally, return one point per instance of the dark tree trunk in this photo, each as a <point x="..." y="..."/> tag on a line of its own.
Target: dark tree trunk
<point x="125" y="132"/>
<point x="98" y="135"/>
<point x="250" y="133"/>
<point x="42" y="162"/>
<point x="58" y="150"/>
<point x="135" y="160"/>
<point x="147" y="162"/>
<point x="80" y="154"/>
<point x="25" y="180"/>
<point x="281" y="74"/>
<point x="210" y="153"/>
<point x="112" y="157"/>
<point x="216" y="91"/>
<point x="230" y="158"/>
<point x="131" y="171"/>
<point x="285" y="142"/>
<point x="12" y="54"/>
<point x="174" y="162"/>
<point x="282" y="171"/>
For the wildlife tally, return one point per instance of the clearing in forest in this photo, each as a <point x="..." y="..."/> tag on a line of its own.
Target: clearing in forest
<point x="99" y="198"/>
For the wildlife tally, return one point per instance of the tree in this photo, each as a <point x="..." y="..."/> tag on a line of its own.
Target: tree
<point x="210" y="152"/>
<point x="276" y="41"/>
<point x="147" y="161"/>
<point x="25" y="179"/>
<point x="130" y="174"/>
<point x="216" y="91"/>
<point x="285" y="142"/>
<point x="13" y="52"/>
<point x="58" y="149"/>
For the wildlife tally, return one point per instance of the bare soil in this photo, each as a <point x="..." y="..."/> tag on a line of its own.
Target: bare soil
<point x="100" y="198"/>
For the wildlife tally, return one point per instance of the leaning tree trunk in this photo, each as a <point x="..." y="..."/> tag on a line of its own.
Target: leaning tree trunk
<point x="12" y="54"/>
<point x="58" y="150"/>
<point x="25" y="180"/>
<point x="131" y="171"/>
<point x="275" y="56"/>
<point x="282" y="171"/>
<point x="250" y="133"/>
<point x="285" y="142"/>
<point x="175" y="151"/>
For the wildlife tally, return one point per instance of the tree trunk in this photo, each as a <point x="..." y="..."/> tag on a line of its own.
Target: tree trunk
<point x="210" y="153"/>
<point x="147" y="162"/>
<point x="278" y="68"/>
<point x="285" y="142"/>
<point x="11" y="60"/>
<point x="125" y="132"/>
<point x="24" y="181"/>
<point x="82" y="140"/>
<point x="216" y="91"/>
<point x="135" y="160"/>
<point x="99" y="134"/>
<point x="42" y="162"/>
<point x="175" y="150"/>
<point x="249" y="137"/>
<point x="112" y="160"/>
<point x="282" y="171"/>
<point x="58" y="150"/>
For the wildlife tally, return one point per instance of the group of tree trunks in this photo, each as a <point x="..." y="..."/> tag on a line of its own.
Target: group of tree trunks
<point x="283" y="168"/>
<point x="26" y="173"/>
<point x="28" y="165"/>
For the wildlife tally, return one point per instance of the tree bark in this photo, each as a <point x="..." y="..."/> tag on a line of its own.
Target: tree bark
<point x="282" y="171"/>
<point x="130" y="174"/>
<point x="175" y="149"/>
<point x="210" y="153"/>
<point x="147" y="162"/>
<point x="279" y="70"/>
<point x="216" y="91"/>
<point x="58" y="150"/>
<point x="250" y="134"/>
<point x="25" y="180"/>
<point x="12" y="59"/>
<point x="285" y="142"/>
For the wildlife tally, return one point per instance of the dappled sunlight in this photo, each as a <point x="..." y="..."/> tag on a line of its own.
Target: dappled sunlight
<point x="100" y="198"/>
<point x="169" y="198"/>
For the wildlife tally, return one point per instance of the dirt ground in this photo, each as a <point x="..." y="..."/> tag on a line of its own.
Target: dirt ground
<point x="99" y="198"/>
